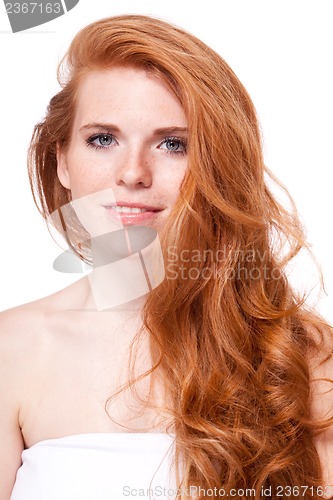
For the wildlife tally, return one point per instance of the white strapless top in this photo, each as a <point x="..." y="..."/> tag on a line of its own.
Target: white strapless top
<point x="98" y="466"/>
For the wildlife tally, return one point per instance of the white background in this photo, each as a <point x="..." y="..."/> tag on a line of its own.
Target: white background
<point x="281" y="51"/>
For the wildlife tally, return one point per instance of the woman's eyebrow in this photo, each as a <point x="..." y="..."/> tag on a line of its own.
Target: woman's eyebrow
<point x="169" y="130"/>
<point x="157" y="132"/>
<point x="103" y="126"/>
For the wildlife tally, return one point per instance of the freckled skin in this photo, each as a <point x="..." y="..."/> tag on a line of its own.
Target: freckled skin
<point x="132" y="160"/>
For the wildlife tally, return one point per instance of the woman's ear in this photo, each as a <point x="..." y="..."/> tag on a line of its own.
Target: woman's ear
<point x="62" y="170"/>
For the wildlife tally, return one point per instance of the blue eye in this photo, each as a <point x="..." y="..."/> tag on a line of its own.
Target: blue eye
<point x="174" y="145"/>
<point x="103" y="141"/>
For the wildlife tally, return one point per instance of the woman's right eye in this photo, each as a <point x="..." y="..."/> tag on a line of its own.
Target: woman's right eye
<point x="101" y="141"/>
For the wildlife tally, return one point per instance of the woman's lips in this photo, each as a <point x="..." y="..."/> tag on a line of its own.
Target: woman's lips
<point x="132" y="218"/>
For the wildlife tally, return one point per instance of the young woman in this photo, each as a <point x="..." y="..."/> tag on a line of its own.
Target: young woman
<point x="213" y="378"/>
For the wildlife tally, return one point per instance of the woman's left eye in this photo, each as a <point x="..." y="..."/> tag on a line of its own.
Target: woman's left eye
<point x="100" y="141"/>
<point x="173" y="145"/>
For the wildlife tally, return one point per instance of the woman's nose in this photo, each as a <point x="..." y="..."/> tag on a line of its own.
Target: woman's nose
<point x="134" y="170"/>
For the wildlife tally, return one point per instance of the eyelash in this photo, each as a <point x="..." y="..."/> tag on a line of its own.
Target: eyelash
<point x="182" y="142"/>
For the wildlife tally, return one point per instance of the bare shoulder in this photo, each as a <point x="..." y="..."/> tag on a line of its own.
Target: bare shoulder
<point x="19" y="348"/>
<point x="26" y="326"/>
<point x="19" y="329"/>
<point x="26" y="348"/>
<point x="27" y="333"/>
<point x="25" y="330"/>
<point x="321" y="386"/>
<point x="22" y="342"/>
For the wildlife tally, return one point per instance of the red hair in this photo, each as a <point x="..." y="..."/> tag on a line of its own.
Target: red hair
<point x="232" y="345"/>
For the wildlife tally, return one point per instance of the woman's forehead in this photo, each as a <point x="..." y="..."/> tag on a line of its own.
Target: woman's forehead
<point x="127" y="91"/>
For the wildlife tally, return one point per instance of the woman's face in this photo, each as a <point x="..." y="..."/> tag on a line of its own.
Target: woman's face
<point x="127" y="147"/>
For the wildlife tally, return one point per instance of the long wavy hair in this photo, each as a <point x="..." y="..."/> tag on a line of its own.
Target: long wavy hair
<point x="228" y="332"/>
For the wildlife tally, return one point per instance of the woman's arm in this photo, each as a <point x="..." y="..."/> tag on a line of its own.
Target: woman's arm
<point x="11" y="441"/>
